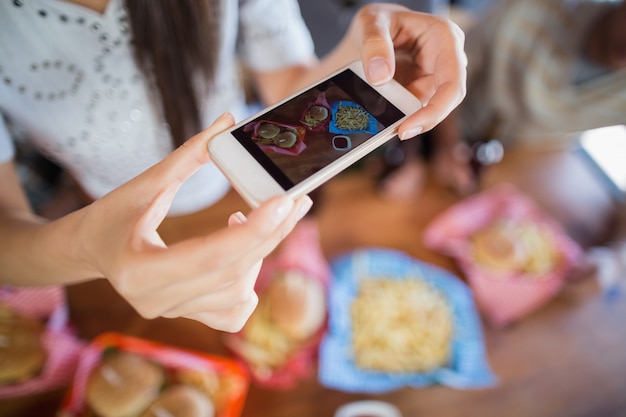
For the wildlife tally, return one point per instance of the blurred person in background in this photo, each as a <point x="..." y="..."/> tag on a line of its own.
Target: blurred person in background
<point x="539" y="73"/>
<point x="111" y="89"/>
<point x="328" y="20"/>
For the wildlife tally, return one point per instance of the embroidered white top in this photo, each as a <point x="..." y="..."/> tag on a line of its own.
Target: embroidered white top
<point x="68" y="80"/>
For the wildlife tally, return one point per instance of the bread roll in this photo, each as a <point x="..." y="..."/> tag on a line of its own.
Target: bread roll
<point x="286" y="139"/>
<point x="22" y="354"/>
<point x="297" y="304"/>
<point x="319" y="113"/>
<point x="268" y="130"/>
<point x="123" y="384"/>
<point x="519" y="246"/>
<point x="181" y="401"/>
<point x="497" y="247"/>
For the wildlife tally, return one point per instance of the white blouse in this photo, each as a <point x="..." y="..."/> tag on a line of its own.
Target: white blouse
<point x="69" y="82"/>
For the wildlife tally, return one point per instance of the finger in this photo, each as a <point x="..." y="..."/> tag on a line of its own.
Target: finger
<point x="375" y="41"/>
<point x="191" y="155"/>
<point x="239" y="292"/>
<point x="246" y="243"/>
<point x="235" y="250"/>
<point x="266" y="243"/>
<point x="214" y="291"/>
<point x="446" y="98"/>
<point x="231" y="320"/>
<point x="237" y="218"/>
<point x="177" y="167"/>
<point x="446" y="69"/>
<point x="145" y="230"/>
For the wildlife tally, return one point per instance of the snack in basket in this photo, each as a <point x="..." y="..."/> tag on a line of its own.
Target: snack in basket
<point x="395" y="321"/>
<point x="22" y="353"/>
<point x="515" y="245"/>
<point x="290" y="310"/>
<point x="271" y="134"/>
<point x="120" y="375"/>
<point x="515" y="256"/>
<point x="285" y="139"/>
<point x="315" y="116"/>
<point x="268" y="131"/>
<point x="400" y="326"/>
<point x="351" y="117"/>
<point x="296" y="304"/>
<point x="181" y="401"/>
<point x="123" y="384"/>
<point x="277" y="137"/>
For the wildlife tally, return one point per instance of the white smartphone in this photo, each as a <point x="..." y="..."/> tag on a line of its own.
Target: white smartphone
<point x="298" y="144"/>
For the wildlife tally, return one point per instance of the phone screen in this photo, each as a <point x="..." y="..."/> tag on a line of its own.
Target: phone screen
<point x="303" y="135"/>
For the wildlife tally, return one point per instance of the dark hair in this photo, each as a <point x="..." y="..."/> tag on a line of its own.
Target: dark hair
<point x="175" y="43"/>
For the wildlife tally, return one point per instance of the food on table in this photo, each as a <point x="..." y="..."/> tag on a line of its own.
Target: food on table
<point x="270" y="134"/>
<point x="349" y="117"/>
<point x="217" y="387"/>
<point x="285" y="139"/>
<point x="22" y="354"/>
<point x="515" y="245"/>
<point x="290" y="311"/>
<point x="181" y="401"/>
<point x="315" y="116"/>
<point x="268" y="131"/>
<point x="296" y="304"/>
<point x="400" y="326"/>
<point x="123" y="384"/>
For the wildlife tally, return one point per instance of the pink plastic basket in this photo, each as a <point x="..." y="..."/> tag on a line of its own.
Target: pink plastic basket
<point x="503" y="297"/>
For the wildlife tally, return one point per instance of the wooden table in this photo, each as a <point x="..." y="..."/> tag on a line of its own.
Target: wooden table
<point x="567" y="359"/>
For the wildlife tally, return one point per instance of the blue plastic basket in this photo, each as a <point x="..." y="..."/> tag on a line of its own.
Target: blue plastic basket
<point x="468" y="366"/>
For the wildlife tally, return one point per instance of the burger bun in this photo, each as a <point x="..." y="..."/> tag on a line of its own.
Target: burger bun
<point x="297" y="304"/>
<point x="497" y="247"/>
<point x="268" y="130"/>
<point x="22" y="354"/>
<point x="286" y="139"/>
<point x="319" y="113"/>
<point x="123" y="384"/>
<point x="181" y="401"/>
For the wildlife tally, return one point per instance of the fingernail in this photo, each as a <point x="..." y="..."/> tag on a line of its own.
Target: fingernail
<point x="411" y="133"/>
<point x="282" y="209"/>
<point x="239" y="217"/>
<point x="305" y="205"/>
<point x="378" y="71"/>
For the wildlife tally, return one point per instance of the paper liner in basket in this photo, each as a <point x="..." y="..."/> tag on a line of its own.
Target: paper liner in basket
<point x="300" y="251"/>
<point x="62" y="347"/>
<point x="170" y="358"/>
<point x="503" y="297"/>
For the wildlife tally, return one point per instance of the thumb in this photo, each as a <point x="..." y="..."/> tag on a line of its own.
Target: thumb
<point x="177" y="167"/>
<point x="157" y="186"/>
<point x="377" y="51"/>
<point x="183" y="162"/>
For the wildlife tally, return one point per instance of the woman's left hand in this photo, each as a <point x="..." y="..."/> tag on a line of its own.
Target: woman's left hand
<point x="422" y="51"/>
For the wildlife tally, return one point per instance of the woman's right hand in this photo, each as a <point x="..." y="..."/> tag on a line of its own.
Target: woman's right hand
<point x="210" y="278"/>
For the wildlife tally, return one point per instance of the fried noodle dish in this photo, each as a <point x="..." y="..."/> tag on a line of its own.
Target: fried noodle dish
<point x="351" y="118"/>
<point x="400" y="326"/>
